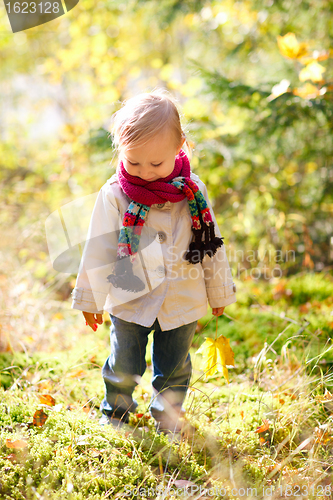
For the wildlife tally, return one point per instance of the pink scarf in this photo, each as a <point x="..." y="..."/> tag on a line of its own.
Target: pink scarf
<point x="149" y="193"/>
<point x="143" y="194"/>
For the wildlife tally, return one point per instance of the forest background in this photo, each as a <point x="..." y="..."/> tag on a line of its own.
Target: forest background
<point x="254" y="80"/>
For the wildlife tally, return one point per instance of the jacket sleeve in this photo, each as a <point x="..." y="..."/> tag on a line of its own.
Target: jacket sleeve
<point x="220" y="287"/>
<point x="99" y="254"/>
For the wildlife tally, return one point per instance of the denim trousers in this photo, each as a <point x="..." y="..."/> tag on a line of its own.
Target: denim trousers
<point x="126" y="364"/>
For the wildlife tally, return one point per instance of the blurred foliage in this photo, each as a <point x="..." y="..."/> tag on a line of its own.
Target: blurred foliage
<point x="254" y="82"/>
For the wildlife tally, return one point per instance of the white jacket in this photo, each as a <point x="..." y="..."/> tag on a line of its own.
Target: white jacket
<point x="176" y="291"/>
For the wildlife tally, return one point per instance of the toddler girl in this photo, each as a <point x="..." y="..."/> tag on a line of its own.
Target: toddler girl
<point x="153" y="256"/>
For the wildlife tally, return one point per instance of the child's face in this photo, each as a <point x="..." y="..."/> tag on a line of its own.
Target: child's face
<point x="153" y="160"/>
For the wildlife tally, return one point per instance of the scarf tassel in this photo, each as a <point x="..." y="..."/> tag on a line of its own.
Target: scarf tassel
<point x="195" y="253"/>
<point x="212" y="242"/>
<point x="198" y="249"/>
<point x="123" y="277"/>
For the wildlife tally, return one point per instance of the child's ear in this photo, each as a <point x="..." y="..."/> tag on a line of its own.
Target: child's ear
<point x="181" y="144"/>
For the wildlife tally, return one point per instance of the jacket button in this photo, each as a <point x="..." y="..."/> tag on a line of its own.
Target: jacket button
<point x="160" y="205"/>
<point x="160" y="271"/>
<point x="234" y="288"/>
<point x="161" y="236"/>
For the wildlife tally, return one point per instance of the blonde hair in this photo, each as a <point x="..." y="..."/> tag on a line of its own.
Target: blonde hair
<point x="145" y="115"/>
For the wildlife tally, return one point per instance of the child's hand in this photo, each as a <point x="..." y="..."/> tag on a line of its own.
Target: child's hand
<point x="92" y="320"/>
<point x="218" y="311"/>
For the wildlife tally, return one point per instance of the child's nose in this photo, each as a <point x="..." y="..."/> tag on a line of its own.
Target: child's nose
<point x="144" y="173"/>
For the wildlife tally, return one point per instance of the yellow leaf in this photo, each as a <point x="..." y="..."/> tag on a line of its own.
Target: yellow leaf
<point x="78" y="373"/>
<point x="16" y="444"/>
<point x="46" y="399"/>
<point x="209" y="354"/>
<point x="290" y="47"/>
<point x="312" y="71"/>
<point x="216" y="353"/>
<point x="226" y="354"/>
<point x="308" y="91"/>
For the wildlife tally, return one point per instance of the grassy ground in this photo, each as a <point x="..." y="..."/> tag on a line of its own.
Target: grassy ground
<point x="267" y="434"/>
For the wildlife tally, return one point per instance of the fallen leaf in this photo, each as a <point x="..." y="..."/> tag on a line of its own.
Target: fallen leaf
<point x="45" y="385"/>
<point x="39" y="418"/>
<point x="12" y="457"/>
<point x="263" y="427"/>
<point x="78" y="373"/>
<point x="238" y="431"/>
<point x="18" y="444"/>
<point x="46" y="399"/>
<point x="242" y="414"/>
<point x="304" y="308"/>
<point x="290" y="47"/>
<point x="307" y="261"/>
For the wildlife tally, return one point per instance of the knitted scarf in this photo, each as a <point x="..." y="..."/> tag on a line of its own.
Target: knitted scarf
<point x="175" y="187"/>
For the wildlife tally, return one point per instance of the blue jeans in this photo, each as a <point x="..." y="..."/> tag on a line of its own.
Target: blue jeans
<point x="126" y="364"/>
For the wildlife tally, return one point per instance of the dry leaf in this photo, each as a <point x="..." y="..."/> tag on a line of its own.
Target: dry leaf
<point x="46" y="399"/>
<point x="242" y="414"/>
<point x="307" y="261"/>
<point x="313" y="71"/>
<point x="78" y="373"/>
<point x="290" y="47"/>
<point x="238" y="431"/>
<point x="86" y="408"/>
<point x="19" y="444"/>
<point x="39" y="418"/>
<point x="308" y="91"/>
<point x="216" y="353"/>
<point x="45" y="385"/>
<point x="263" y="427"/>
